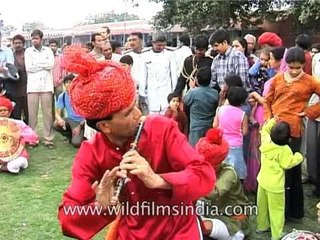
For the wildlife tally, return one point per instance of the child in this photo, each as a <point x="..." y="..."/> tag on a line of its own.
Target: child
<point x="72" y="126"/>
<point x="202" y="102"/>
<point x="276" y="156"/>
<point x="288" y="98"/>
<point x="260" y="72"/>
<point x="174" y="112"/>
<point x="232" y="120"/>
<point x="126" y="61"/>
<point x="228" y="191"/>
<point x="26" y="135"/>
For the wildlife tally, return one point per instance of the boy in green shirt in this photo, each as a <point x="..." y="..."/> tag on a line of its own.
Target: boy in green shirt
<point x="276" y="157"/>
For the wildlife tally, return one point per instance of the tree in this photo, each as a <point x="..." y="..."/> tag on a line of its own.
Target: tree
<point x="8" y="28"/>
<point x="30" y="26"/>
<point x="198" y="14"/>
<point x="108" y="17"/>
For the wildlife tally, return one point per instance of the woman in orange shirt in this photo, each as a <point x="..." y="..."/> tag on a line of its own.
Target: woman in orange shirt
<point x="288" y="100"/>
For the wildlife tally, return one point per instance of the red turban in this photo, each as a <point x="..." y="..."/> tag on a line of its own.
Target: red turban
<point x="271" y="39"/>
<point x="213" y="147"/>
<point x="5" y="102"/>
<point x="101" y="88"/>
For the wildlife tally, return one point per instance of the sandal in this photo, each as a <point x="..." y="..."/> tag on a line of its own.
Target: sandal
<point x="32" y="146"/>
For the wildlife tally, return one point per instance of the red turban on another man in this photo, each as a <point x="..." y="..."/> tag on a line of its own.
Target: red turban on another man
<point x="213" y="147"/>
<point x="5" y="102"/>
<point x="270" y="38"/>
<point x="100" y="88"/>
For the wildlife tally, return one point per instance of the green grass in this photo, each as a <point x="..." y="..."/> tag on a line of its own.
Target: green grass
<point x="29" y="201"/>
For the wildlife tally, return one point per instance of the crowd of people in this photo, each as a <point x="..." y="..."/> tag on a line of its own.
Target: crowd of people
<point x="222" y="117"/>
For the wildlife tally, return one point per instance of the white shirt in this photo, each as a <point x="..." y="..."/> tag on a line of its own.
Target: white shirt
<point x="39" y="65"/>
<point x="181" y="53"/>
<point x="160" y="78"/>
<point x="137" y="69"/>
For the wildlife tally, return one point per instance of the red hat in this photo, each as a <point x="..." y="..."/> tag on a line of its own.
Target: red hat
<point x="5" y="102"/>
<point x="213" y="147"/>
<point x="271" y="39"/>
<point x="101" y="88"/>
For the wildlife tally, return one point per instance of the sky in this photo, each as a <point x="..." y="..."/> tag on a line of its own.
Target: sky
<point x="66" y="13"/>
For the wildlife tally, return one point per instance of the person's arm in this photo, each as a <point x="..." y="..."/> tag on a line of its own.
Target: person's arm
<point x="312" y="112"/>
<point x="31" y="66"/>
<point x="182" y="80"/>
<point x="245" y="125"/>
<point x="191" y="176"/>
<point x="269" y="100"/>
<point x="254" y="70"/>
<point x="242" y="69"/>
<point x="288" y="159"/>
<point x="81" y="194"/>
<point x="225" y="182"/>
<point x="257" y="97"/>
<point x="214" y="78"/>
<point x="48" y="62"/>
<point x="215" y="123"/>
<point x="188" y="98"/>
<point x="266" y="130"/>
<point x="173" y="72"/>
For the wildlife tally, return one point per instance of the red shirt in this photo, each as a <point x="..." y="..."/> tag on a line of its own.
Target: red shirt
<point x="169" y="155"/>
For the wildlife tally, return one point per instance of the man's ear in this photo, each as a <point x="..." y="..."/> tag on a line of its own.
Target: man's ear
<point x="103" y="126"/>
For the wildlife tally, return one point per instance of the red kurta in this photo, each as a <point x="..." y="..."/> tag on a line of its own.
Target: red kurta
<point x="170" y="155"/>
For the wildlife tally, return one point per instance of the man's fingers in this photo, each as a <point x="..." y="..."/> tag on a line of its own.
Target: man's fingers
<point x="130" y="153"/>
<point x="94" y="185"/>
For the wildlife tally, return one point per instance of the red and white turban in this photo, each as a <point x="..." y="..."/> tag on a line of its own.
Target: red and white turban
<point x="100" y="88"/>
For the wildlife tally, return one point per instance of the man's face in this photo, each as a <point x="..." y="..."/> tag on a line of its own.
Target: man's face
<point x="36" y="41"/>
<point x="98" y="42"/>
<point x="158" y="46"/>
<point x="200" y="52"/>
<point x="123" y="123"/>
<point x="104" y="34"/>
<point x="4" y="112"/>
<point x="220" y="48"/>
<point x="17" y="45"/>
<point x="67" y="85"/>
<point x="107" y="50"/>
<point x="53" y="47"/>
<point x="135" y="42"/>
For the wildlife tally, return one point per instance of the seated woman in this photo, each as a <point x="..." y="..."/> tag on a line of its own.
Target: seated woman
<point x="14" y="134"/>
<point x="225" y="213"/>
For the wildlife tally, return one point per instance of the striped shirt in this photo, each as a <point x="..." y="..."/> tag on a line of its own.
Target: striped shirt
<point x="232" y="62"/>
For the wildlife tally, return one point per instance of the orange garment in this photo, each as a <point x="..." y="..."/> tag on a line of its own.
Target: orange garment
<point x="287" y="100"/>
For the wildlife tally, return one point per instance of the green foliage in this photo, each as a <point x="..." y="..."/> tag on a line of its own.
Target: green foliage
<point x="108" y="17"/>
<point x="198" y="14"/>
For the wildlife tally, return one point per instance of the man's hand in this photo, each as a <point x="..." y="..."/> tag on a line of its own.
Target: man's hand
<point x="105" y="189"/>
<point x="137" y="165"/>
<point x="76" y="131"/>
<point x="61" y="123"/>
<point x="1" y="69"/>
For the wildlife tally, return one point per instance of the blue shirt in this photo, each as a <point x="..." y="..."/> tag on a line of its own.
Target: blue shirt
<point x="203" y="102"/>
<point x="64" y="103"/>
<point x="6" y="56"/>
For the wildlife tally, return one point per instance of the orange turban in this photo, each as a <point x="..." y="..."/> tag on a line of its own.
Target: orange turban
<point x="213" y="147"/>
<point x="101" y="88"/>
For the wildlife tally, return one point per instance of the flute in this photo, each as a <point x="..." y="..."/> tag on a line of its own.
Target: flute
<point x="121" y="181"/>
